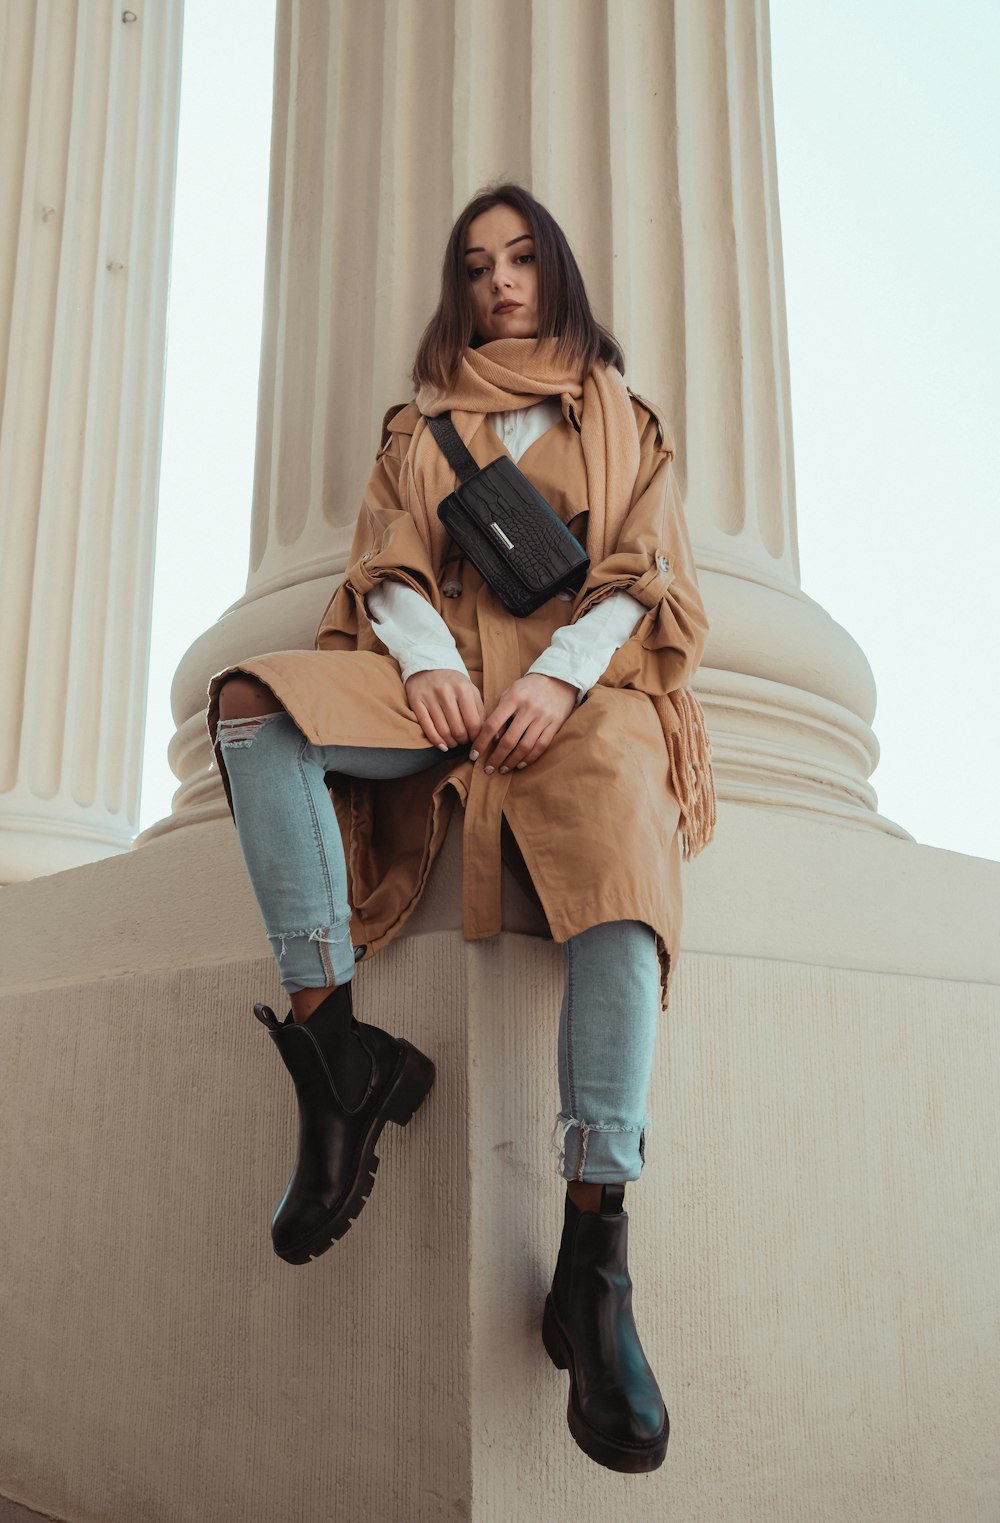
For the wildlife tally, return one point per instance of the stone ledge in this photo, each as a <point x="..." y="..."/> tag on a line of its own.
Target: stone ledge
<point x="772" y="884"/>
<point x="810" y="1251"/>
<point x="13" y="1512"/>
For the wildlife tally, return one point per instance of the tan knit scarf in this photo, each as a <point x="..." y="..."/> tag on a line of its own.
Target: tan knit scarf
<point x="512" y="373"/>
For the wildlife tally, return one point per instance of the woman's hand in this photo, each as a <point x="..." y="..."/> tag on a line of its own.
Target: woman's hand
<point x="533" y="710"/>
<point x="448" y="706"/>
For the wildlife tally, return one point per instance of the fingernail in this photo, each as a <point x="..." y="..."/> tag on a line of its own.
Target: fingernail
<point x="442" y="747"/>
<point x="520" y="765"/>
<point x="487" y="769"/>
<point x="473" y="755"/>
<point x="504" y="769"/>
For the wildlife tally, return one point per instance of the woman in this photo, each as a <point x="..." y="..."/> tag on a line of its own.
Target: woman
<point x="571" y="727"/>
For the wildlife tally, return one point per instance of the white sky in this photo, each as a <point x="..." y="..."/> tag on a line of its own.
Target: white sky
<point x="886" y="123"/>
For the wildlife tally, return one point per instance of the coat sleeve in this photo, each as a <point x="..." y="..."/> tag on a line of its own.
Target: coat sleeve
<point x="654" y="562"/>
<point x="386" y="546"/>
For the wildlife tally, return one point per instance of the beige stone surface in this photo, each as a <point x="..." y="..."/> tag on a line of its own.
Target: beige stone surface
<point x="12" y="1512"/>
<point x="814" y="1247"/>
<point x="161" y="1362"/>
<point x="814" y="1239"/>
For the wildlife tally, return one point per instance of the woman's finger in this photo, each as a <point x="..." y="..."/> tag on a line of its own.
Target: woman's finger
<point x="451" y="709"/>
<point x="427" y="724"/>
<point x="540" y="747"/>
<point x="510" y="738"/>
<point x="441" y="721"/>
<point x="489" y="731"/>
<point x="472" y="707"/>
<point x="526" y="745"/>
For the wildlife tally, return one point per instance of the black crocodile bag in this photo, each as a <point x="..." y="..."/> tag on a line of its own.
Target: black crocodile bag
<point x="516" y="541"/>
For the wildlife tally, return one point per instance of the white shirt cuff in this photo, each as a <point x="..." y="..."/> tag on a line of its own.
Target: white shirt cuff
<point x="579" y="653"/>
<point x="420" y="640"/>
<point x="411" y="631"/>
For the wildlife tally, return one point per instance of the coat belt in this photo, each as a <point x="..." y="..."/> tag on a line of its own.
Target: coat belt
<point x="481" y="860"/>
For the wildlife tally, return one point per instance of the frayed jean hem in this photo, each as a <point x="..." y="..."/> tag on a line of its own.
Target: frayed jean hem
<point x="306" y="960"/>
<point x="599" y="1153"/>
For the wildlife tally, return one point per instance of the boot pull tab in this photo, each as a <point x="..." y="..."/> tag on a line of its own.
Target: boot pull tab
<point x="267" y="1017"/>
<point x="612" y="1199"/>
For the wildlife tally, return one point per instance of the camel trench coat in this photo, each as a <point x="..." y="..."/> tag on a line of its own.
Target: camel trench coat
<point x="595" y="818"/>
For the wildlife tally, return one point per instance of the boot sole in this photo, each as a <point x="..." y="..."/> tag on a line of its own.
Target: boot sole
<point x="409" y="1088"/>
<point x="613" y="1454"/>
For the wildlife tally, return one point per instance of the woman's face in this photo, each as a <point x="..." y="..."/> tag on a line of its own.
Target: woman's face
<point x="503" y="276"/>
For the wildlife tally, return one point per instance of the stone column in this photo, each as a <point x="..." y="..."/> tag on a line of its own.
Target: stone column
<point x="648" y="130"/>
<point x="88" y="134"/>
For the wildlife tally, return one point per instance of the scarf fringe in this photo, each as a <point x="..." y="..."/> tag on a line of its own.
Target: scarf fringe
<point x="692" y="777"/>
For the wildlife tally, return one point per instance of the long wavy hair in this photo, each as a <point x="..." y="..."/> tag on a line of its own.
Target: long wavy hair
<point x="563" y="307"/>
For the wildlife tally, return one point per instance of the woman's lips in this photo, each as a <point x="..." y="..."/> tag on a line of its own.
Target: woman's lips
<point x="505" y="306"/>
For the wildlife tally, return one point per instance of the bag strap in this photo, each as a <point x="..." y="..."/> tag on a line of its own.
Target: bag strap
<point x="454" y="451"/>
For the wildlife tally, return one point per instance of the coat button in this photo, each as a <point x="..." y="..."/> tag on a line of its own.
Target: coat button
<point x="452" y="589"/>
<point x="663" y="563"/>
<point x="367" y="556"/>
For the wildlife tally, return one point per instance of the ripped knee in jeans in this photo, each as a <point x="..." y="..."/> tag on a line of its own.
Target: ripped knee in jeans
<point x="237" y="734"/>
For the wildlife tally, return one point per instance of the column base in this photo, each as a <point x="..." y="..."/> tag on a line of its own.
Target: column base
<point x="788" y="695"/>
<point x="32" y="846"/>
<point x="781" y="747"/>
<point x="789" y="698"/>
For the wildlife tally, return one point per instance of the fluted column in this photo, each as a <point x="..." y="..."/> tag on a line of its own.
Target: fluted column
<point x="88" y="132"/>
<point x="648" y="130"/>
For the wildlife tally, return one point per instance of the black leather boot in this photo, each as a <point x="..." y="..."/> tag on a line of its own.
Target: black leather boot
<point x="616" y="1412"/>
<point x="350" y="1080"/>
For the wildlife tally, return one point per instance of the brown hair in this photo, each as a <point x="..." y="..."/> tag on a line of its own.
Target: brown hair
<point x="563" y="308"/>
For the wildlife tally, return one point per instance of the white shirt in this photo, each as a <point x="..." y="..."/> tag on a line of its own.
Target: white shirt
<point x="579" y="653"/>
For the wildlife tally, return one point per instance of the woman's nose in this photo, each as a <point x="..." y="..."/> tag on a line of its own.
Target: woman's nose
<point x="500" y="278"/>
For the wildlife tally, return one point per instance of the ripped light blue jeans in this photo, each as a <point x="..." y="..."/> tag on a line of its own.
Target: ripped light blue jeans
<point x="293" y="851"/>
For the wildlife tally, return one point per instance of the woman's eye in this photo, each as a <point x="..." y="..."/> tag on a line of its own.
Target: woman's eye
<point x="525" y="258"/>
<point x="476" y="270"/>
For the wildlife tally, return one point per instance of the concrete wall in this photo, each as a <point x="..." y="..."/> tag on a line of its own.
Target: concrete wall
<point x="815" y="1238"/>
